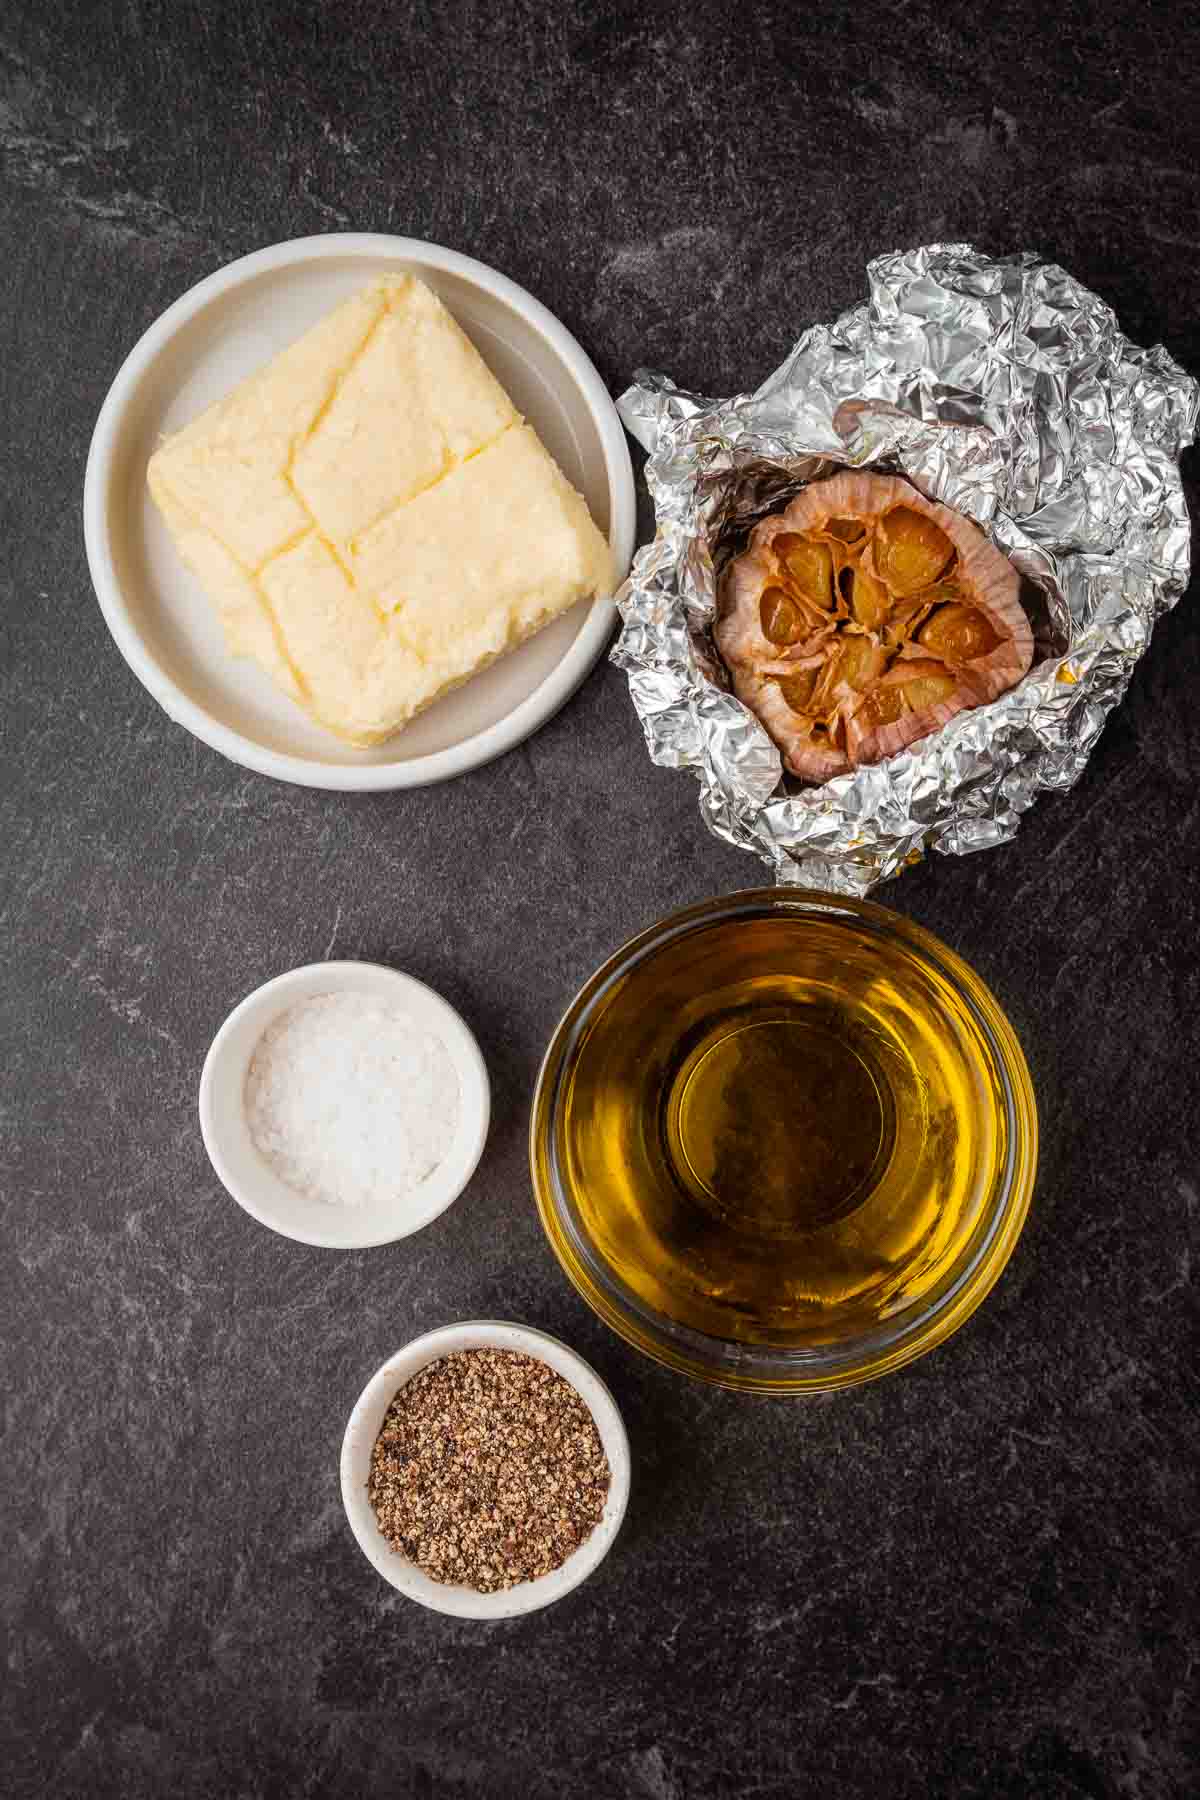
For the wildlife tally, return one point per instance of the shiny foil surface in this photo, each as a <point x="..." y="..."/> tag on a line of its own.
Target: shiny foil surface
<point x="1001" y="387"/>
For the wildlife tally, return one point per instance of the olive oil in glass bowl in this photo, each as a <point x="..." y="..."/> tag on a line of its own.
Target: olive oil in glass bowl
<point x="784" y="1141"/>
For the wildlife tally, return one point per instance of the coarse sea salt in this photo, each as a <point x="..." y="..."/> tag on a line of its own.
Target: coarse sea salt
<point x="351" y="1101"/>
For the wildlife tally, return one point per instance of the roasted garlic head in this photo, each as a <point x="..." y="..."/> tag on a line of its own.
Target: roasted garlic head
<point x="863" y="617"/>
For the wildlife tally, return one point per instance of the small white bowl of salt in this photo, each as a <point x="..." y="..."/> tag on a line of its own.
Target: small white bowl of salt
<point x="344" y="1104"/>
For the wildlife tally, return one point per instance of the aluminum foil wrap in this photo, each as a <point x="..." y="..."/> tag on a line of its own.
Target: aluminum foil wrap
<point x="1001" y="387"/>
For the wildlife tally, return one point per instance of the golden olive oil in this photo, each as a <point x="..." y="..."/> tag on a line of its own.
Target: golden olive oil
<point x="778" y="1128"/>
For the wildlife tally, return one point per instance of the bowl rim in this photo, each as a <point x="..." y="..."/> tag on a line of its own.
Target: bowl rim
<point x="265" y="1199"/>
<point x="772" y="1369"/>
<point x="362" y="1429"/>
<point x="481" y="747"/>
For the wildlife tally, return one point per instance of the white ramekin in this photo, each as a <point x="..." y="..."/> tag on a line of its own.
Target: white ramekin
<point x="250" y="1179"/>
<point x="363" y="1429"/>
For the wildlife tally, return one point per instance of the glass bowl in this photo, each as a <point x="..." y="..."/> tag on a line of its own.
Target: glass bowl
<point x="784" y="1141"/>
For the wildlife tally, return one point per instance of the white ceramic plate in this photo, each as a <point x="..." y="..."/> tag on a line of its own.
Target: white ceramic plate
<point x="363" y="1429"/>
<point x="250" y="1179"/>
<point x="201" y="347"/>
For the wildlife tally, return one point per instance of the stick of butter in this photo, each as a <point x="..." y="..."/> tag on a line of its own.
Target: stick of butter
<point x="371" y="517"/>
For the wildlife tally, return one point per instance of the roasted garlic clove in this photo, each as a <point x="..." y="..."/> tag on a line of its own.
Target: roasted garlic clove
<point x="781" y="619"/>
<point x="866" y="598"/>
<point x="810" y="566"/>
<point x="797" y="689"/>
<point x="861" y="662"/>
<point x="882" y="706"/>
<point x="959" y="633"/>
<point x="910" y="551"/>
<point x="926" y="684"/>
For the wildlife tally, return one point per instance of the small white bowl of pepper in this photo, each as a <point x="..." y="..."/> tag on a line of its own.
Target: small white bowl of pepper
<point x="485" y="1470"/>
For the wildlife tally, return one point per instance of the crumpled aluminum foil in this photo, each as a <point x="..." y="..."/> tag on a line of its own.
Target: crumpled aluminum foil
<point x="1006" y="390"/>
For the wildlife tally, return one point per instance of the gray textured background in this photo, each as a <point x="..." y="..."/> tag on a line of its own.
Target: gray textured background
<point x="973" y="1579"/>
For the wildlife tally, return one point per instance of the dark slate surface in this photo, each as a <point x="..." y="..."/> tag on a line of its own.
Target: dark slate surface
<point x="973" y="1579"/>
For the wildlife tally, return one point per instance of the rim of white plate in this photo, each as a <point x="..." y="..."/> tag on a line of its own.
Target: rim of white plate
<point x="439" y="765"/>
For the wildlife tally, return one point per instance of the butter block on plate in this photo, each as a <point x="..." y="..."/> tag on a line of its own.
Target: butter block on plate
<point x="371" y="517"/>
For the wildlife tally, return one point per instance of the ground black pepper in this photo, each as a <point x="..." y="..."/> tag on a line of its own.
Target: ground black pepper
<point x="488" y="1470"/>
